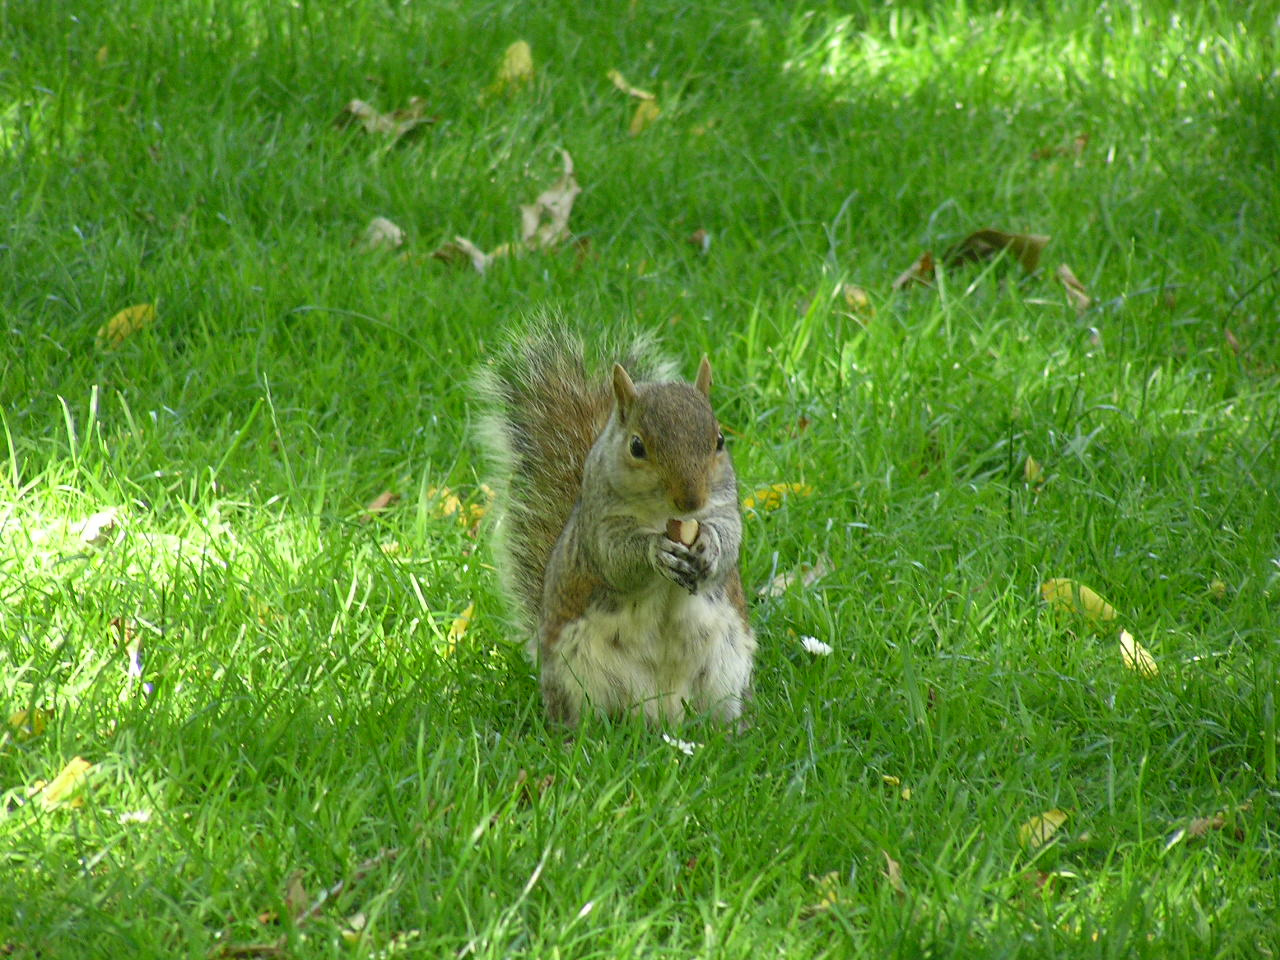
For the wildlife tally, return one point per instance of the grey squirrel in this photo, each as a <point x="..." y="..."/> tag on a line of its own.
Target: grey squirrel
<point x="617" y="530"/>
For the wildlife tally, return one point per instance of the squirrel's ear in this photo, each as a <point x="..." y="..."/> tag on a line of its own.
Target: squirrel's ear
<point x="703" y="383"/>
<point x="624" y="391"/>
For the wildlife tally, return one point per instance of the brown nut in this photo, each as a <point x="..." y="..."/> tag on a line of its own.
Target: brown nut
<point x="683" y="531"/>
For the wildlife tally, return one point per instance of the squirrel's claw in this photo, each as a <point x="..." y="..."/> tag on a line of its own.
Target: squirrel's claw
<point x="679" y="564"/>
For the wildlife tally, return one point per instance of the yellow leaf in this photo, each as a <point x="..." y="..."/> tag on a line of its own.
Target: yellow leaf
<point x="124" y="324"/>
<point x="26" y="724"/>
<point x="1039" y="830"/>
<point x="1032" y="472"/>
<point x="1136" y="656"/>
<point x="1071" y="597"/>
<point x="1218" y="589"/>
<point x="103" y="53"/>
<point x="620" y="82"/>
<point x="459" y="628"/>
<point x="516" y="68"/>
<point x="646" y="113"/>
<point x="66" y="783"/>
<point x="771" y="498"/>
<point x="544" y="224"/>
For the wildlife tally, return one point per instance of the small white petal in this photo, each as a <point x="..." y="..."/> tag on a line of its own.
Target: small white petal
<point x="816" y="647"/>
<point x="684" y="746"/>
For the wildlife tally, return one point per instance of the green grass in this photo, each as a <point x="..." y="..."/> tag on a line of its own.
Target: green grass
<point x="302" y="712"/>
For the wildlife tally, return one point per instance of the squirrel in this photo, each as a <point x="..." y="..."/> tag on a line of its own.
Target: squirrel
<point x="617" y="530"/>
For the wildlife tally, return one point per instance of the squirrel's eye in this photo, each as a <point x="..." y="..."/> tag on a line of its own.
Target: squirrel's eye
<point x="637" y="448"/>
<point x="719" y="441"/>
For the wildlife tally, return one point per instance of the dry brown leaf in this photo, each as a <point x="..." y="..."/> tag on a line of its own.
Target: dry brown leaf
<point x="393" y="125"/>
<point x="647" y="111"/>
<point x="1039" y="830"/>
<point x="545" y="222"/>
<point x="296" y="900"/>
<point x="621" y="83"/>
<point x="921" y="272"/>
<point x="985" y="244"/>
<point x="1232" y="342"/>
<point x="806" y="574"/>
<point x="1076" y="293"/>
<point x="699" y="239"/>
<point x="378" y="504"/>
<point x="893" y="873"/>
<point x="125" y="324"/>
<point x="382" y="234"/>
<point x="460" y="250"/>
<point x="1068" y="596"/>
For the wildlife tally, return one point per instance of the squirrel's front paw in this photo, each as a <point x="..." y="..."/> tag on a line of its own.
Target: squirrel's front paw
<point x="684" y="566"/>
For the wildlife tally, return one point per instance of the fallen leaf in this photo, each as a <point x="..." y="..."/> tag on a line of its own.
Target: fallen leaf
<point x="1218" y="589"/>
<point x="458" y="629"/>
<point x="699" y="239"/>
<point x="378" y="504"/>
<point x="103" y="53"/>
<point x="1070" y="597"/>
<point x="805" y="574"/>
<point x="1136" y="656"/>
<point x="1076" y="294"/>
<point x="1032" y="472"/>
<point x="461" y="250"/>
<point x="66" y="784"/>
<point x="516" y="68"/>
<point x="647" y="111"/>
<point x="296" y="900"/>
<point x="1232" y="341"/>
<point x="125" y="324"/>
<point x="26" y="724"/>
<point x="620" y="82"/>
<point x="893" y="872"/>
<point x="382" y="234"/>
<point x="921" y="272"/>
<point x="985" y="244"/>
<point x="858" y="302"/>
<point x="816" y="647"/>
<point x="393" y="125"/>
<point x="773" y="496"/>
<point x="828" y="889"/>
<point x="545" y="222"/>
<point x="1039" y="830"/>
<point x="97" y="529"/>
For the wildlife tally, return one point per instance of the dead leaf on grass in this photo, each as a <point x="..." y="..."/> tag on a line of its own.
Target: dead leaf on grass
<point x="921" y="272"/>
<point x="64" y="789"/>
<point x="805" y="574"/>
<point x="458" y="629"/>
<point x="382" y="234"/>
<point x="378" y="504"/>
<point x="984" y="244"/>
<point x="460" y="250"/>
<point x="1136" y="657"/>
<point x="1067" y="596"/>
<point x="620" y="82"/>
<point x="27" y="724"/>
<point x="394" y="125"/>
<point x="647" y="112"/>
<point x="773" y="496"/>
<point x="1077" y="296"/>
<point x="857" y="302"/>
<point x="125" y="324"/>
<point x="545" y="222"/>
<point x="1032" y="472"/>
<point x="893" y="873"/>
<point x="515" y="70"/>
<point x="1039" y="830"/>
<point x="829" y="891"/>
<point x="700" y="239"/>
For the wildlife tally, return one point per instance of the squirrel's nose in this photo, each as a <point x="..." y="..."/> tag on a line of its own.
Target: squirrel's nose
<point x="688" y="501"/>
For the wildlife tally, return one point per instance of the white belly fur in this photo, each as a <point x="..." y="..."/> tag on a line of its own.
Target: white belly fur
<point x="657" y="654"/>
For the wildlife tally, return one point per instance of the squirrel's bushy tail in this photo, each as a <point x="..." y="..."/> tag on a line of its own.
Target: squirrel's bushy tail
<point x="545" y="400"/>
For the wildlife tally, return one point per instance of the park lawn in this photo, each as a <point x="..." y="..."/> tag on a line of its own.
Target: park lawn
<point x="270" y="721"/>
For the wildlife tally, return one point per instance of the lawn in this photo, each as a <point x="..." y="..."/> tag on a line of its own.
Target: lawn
<point x="252" y="707"/>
